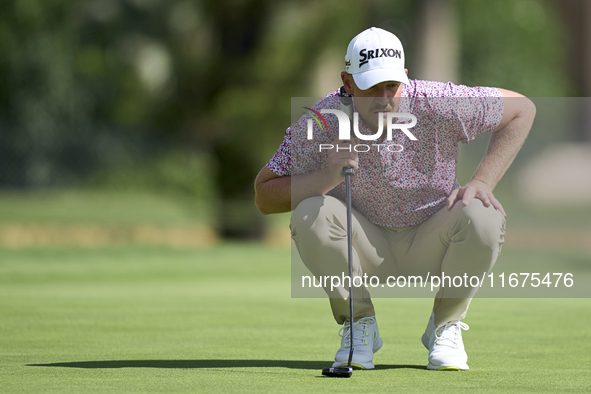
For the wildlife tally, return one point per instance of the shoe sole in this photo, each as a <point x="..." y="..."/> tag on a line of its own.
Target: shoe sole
<point x="432" y="367"/>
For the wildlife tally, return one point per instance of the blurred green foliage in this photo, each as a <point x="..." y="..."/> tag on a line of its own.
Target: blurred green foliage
<point x="193" y="97"/>
<point x="514" y="44"/>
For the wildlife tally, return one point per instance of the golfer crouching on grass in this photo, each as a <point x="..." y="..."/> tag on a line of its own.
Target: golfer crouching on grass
<point x="410" y="216"/>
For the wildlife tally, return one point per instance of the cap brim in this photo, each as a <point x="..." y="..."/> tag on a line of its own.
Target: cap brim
<point x="367" y="79"/>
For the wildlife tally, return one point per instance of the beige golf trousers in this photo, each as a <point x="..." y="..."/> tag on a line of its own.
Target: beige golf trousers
<point x="464" y="240"/>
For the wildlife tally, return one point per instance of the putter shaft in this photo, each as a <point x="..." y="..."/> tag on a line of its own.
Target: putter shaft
<point x="348" y="172"/>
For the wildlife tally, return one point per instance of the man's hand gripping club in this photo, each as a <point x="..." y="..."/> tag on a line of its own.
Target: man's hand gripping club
<point x="342" y="158"/>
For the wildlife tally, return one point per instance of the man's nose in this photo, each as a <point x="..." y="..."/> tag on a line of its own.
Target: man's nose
<point x="383" y="96"/>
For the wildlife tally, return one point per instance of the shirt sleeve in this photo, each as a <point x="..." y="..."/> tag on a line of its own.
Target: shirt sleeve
<point x="468" y="111"/>
<point x="280" y="163"/>
<point x="298" y="155"/>
<point x="477" y="109"/>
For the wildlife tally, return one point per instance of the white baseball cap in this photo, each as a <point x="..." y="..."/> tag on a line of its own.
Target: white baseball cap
<point x="374" y="56"/>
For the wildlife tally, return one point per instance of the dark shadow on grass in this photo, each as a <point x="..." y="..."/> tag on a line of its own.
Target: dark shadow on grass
<point x="294" y="364"/>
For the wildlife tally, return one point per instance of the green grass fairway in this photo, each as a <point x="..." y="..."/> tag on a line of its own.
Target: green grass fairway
<point x="154" y="319"/>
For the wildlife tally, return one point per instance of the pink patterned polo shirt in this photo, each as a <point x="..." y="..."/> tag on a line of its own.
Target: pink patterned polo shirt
<point x="399" y="183"/>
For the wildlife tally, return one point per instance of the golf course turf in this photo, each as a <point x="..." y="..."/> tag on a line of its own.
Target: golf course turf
<point x="219" y="319"/>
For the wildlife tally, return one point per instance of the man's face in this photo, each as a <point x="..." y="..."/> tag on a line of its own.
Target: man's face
<point x="383" y="97"/>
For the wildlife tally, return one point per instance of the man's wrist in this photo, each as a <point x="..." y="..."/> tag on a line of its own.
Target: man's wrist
<point x="490" y="185"/>
<point x="328" y="180"/>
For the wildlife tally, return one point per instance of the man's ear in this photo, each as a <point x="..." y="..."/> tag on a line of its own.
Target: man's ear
<point x="348" y="81"/>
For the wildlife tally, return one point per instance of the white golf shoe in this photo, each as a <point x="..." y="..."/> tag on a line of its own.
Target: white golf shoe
<point x="445" y="345"/>
<point x="366" y="341"/>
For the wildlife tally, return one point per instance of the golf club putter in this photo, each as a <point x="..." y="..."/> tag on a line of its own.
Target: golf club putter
<point x="346" y="102"/>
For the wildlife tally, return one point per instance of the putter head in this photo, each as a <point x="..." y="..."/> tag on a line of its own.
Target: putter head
<point x="338" y="372"/>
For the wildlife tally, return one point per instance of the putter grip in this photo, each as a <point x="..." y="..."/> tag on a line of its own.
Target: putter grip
<point x="348" y="171"/>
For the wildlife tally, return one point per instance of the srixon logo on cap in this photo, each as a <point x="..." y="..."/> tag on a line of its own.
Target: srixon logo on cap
<point x="365" y="54"/>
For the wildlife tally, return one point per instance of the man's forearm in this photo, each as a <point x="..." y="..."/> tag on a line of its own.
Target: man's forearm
<point x="276" y="194"/>
<point x="273" y="195"/>
<point x="284" y="193"/>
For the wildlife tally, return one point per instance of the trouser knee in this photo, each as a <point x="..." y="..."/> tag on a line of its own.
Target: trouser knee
<point x="318" y="216"/>
<point x="485" y="225"/>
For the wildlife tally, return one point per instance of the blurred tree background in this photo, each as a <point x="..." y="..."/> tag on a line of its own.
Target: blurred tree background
<point x="190" y="98"/>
